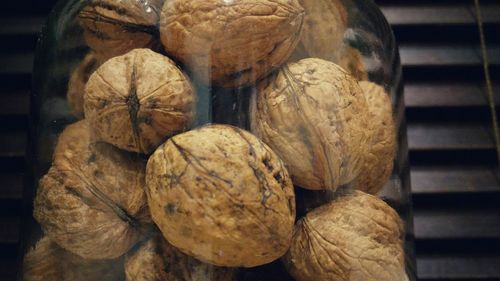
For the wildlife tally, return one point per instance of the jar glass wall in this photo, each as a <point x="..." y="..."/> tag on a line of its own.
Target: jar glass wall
<point x="218" y="140"/>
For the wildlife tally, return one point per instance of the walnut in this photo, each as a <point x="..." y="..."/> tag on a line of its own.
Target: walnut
<point x="314" y="116"/>
<point x="353" y="61"/>
<point x="222" y="196"/>
<point x="138" y="100"/>
<point x="356" y="237"/>
<point x="232" y="43"/>
<point x="157" y="260"/>
<point x="325" y="26"/>
<point x="76" y="85"/>
<point x="379" y="161"/>
<point x="114" y="27"/>
<point x="48" y="262"/>
<point x="92" y="201"/>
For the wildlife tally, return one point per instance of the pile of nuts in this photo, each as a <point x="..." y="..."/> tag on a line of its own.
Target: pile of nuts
<point x="136" y="192"/>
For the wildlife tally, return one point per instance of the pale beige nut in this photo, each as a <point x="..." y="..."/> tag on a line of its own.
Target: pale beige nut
<point x="325" y="25"/>
<point x="222" y="196"/>
<point x="115" y="27"/>
<point x="379" y="161"/>
<point x="314" y="116"/>
<point x="92" y="201"/>
<point x="48" y="262"/>
<point x="157" y="260"/>
<point x="77" y="81"/>
<point x="357" y="237"/>
<point x="138" y="100"/>
<point x="231" y="43"/>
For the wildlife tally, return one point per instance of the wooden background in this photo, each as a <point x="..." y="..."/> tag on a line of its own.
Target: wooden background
<point x="456" y="192"/>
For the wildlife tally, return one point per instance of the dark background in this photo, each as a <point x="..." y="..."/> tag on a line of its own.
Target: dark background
<point x="456" y="191"/>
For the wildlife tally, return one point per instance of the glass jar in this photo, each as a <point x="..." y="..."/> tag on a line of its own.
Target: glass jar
<point x="218" y="140"/>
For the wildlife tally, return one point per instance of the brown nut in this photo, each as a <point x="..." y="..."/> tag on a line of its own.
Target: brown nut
<point x="353" y="61"/>
<point x="314" y="116"/>
<point x="76" y="85"/>
<point x="231" y="43"/>
<point x="379" y="161"/>
<point x="222" y="196"/>
<point x="157" y="260"/>
<point x="325" y="25"/>
<point x="48" y="262"/>
<point x="113" y="28"/>
<point x="138" y="100"/>
<point x="356" y="237"/>
<point x="92" y="201"/>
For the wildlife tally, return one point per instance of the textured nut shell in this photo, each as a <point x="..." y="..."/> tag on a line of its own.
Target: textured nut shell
<point x="138" y="100"/>
<point x="48" y="262"/>
<point x="352" y="61"/>
<point x="325" y="24"/>
<point x="357" y="237"/>
<point x="379" y="160"/>
<point x="234" y="43"/>
<point x="219" y="194"/>
<point x="92" y="202"/>
<point x="114" y="27"/>
<point x="76" y="85"/>
<point x="314" y="116"/>
<point x="157" y="260"/>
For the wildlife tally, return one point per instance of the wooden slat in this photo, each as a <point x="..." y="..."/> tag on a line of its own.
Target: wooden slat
<point x="27" y="7"/>
<point x="445" y="54"/>
<point x="453" y="223"/>
<point x="452" y="157"/>
<point x="13" y="144"/>
<point x="8" y="270"/>
<point x="449" y="136"/>
<point x="14" y="102"/>
<point x="11" y="186"/>
<point x="21" y="25"/>
<point x="9" y="230"/>
<point x="447" y="94"/>
<point x="464" y="267"/>
<point x="439" y="13"/>
<point x="453" y="179"/>
<point x="17" y="63"/>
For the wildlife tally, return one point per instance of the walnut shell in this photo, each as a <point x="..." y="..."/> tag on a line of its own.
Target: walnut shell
<point x="138" y="100"/>
<point x="379" y="161"/>
<point x="231" y="43"/>
<point x="352" y="60"/>
<point x="48" y="262"/>
<point x="356" y="237"/>
<point x="157" y="260"/>
<point x="222" y="196"/>
<point x="92" y="201"/>
<point x="77" y="81"/>
<point x="314" y="116"/>
<point x="325" y="25"/>
<point x="113" y="28"/>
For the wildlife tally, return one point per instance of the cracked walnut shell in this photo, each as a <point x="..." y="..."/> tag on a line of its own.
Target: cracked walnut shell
<point x="48" y="262"/>
<point x="157" y="260"/>
<point x="325" y="23"/>
<point x="314" y="116"/>
<point x="356" y="237"/>
<point x="231" y="43"/>
<point x="379" y="161"/>
<point x="137" y="100"/>
<point x="76" y="84"/>
<point x="115" y="27"/>
<point x="325" y="28"/>
<point x="222" y="196"/>
<point x="92" y="201"/>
